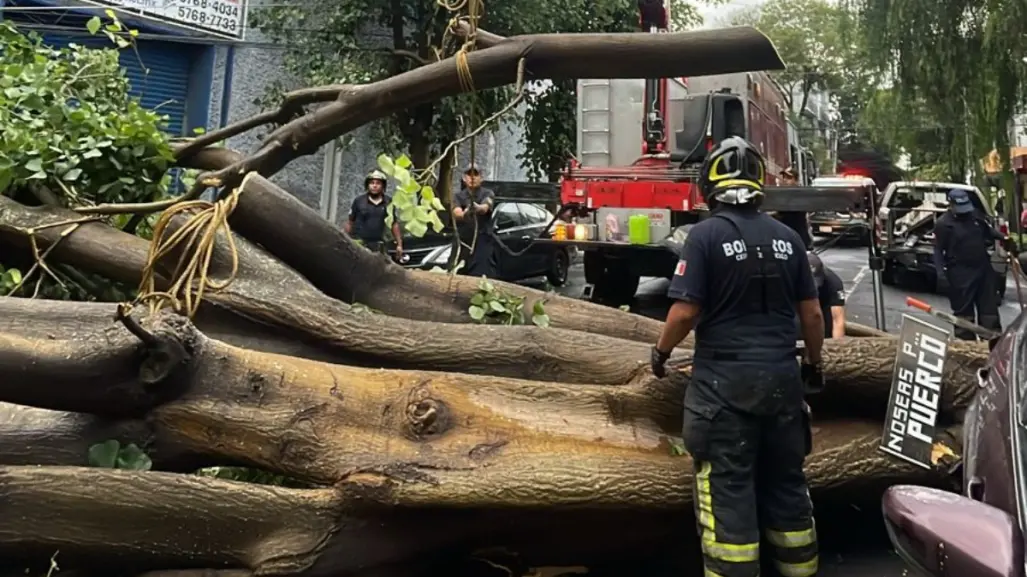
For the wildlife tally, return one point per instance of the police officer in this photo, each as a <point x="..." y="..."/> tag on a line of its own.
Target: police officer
<point x="961" y="241"/>
<point x="367" y="215"/>
<point x="740" y="281"/>
<point x="831" y="293"/>
<point x="472" y="211"/>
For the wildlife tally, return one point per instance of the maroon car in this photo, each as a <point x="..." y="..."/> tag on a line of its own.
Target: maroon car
<point x="979" y="533"/>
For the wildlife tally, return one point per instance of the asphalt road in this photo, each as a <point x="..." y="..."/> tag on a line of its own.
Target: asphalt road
<point x="853" y="541"/>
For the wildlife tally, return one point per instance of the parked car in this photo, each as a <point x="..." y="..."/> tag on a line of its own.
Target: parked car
<point x="516" y="223"/>
<point x="847" y="225"/>
<point x="981" y="532"/>
<point x="904" y="230"/>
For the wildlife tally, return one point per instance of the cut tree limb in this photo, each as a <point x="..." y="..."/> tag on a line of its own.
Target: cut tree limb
<point x="343" y="269"/>
<point x="547" y="56"/>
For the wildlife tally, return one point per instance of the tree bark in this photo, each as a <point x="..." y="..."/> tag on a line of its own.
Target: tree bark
<point x="357" y="275"/>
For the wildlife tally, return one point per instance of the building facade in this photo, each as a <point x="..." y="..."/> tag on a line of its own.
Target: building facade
<point x="206" y="68"/>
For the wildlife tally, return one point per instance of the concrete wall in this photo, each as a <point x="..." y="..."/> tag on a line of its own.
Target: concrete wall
<point x="258" y="63"/>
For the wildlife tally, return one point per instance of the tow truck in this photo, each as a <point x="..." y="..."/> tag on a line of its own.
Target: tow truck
<point x="629" y="217"/>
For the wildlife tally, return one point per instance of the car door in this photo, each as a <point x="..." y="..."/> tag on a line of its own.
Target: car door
<point x="508" y="223"/>
<point x="536" y="218"/>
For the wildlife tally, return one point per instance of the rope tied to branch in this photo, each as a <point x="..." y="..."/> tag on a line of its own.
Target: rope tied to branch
<point x="474" y="9"/>
<point x="195" y="241"/>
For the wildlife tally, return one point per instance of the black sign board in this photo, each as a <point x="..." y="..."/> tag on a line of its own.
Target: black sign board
<point x="915" y="398"/>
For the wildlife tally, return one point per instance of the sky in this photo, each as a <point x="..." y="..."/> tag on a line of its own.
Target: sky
<point x="714" y="15"/>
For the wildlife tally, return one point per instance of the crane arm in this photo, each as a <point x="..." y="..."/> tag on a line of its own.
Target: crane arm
<point x="653" y="18"/>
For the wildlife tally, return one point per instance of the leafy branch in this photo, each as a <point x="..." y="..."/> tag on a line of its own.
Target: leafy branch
<point x="491" y="305"/>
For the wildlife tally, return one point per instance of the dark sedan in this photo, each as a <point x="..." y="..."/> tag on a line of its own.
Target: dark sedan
<point x="517" y="224"/>
<point x="981" y="532"/>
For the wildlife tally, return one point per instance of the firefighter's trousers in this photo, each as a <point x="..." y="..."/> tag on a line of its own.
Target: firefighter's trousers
<point x="748" y="477"/>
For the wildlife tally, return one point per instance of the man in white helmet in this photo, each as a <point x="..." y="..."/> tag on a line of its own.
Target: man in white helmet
<point x="367" y="214"/>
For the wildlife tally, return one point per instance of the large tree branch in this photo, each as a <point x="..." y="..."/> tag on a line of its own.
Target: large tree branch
<point x="551" y="56"/>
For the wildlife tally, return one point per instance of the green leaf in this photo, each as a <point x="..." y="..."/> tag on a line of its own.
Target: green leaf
<point x="386" y="165"/>
<point x="417" y="228"/>
<point x="477" y="313"/>
<point x="410" y="187"/>
<point x="477" y="299"/>
<point x="404" y="161"/>
<point x="540" y="320"/>
<point x="72" y="175"/>
<point x="538" y="308"/>
<point x="34" y="165"/>
<point x="93" y="25"/>
<point x="133" y="458"/>
<point x="437" y="204"/>
<point x="13" y="275"/>
<point x="105" y="454"/>
<point x="497" y="306"/>
<point x="428" y="193"/>
<point x="436" y="222"/>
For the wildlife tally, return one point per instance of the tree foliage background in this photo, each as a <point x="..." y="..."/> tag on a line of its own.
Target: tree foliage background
<point x="958" y="61"/>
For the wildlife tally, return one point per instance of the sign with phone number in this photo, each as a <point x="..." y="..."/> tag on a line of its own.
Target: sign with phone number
<point x="221" y="17"/>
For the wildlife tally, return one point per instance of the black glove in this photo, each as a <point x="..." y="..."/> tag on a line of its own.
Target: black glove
<point x="812" y="378"/>
<point x="1010" y="245"/>
<point x="657" y="360"/>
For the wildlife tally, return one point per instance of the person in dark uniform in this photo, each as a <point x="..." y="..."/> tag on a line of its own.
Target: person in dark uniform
<point x="831" y="294"/>
<point x="797" y="221"/>
<point x="741" y="279"/>
<point x="472" y="212"/>
<point x="962" y="238"/>
<point x="367" y="214"/>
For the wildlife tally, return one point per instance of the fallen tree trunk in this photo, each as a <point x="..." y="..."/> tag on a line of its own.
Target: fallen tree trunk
<point x="398" y="448"/>
<point x="271" y="294"/>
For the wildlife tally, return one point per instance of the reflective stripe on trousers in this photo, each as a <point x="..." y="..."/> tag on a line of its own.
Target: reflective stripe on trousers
<point x="746" y="554"/>
<point x="795" y="552"/>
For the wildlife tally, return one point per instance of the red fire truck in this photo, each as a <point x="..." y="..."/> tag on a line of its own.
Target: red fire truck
<point x="677" y="122"/>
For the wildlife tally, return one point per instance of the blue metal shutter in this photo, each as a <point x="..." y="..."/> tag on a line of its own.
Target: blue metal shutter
<point x="158" y="74"/>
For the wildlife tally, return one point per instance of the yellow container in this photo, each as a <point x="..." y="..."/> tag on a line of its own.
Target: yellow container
<point x="560" y="232"/>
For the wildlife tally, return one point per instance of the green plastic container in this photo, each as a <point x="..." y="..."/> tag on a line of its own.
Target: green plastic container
<point x="638" y="229"/>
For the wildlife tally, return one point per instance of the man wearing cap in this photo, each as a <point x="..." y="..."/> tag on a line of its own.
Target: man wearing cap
<point x="797" y="221"/>
<point x="961" y="242"/>
<point x="472" y="214"/>
<point x="831" y="293"/>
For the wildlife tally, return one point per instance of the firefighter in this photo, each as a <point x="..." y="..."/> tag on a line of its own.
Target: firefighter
<point x="831" y="293"/>
<point x="961" y="241"/>
<point x="741" y="279"/>
<point x="473" y="200"/>
<point x="366" y="221"/>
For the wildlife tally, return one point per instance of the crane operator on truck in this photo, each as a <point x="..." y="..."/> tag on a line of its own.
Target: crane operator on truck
<point x="741" y="280"/>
